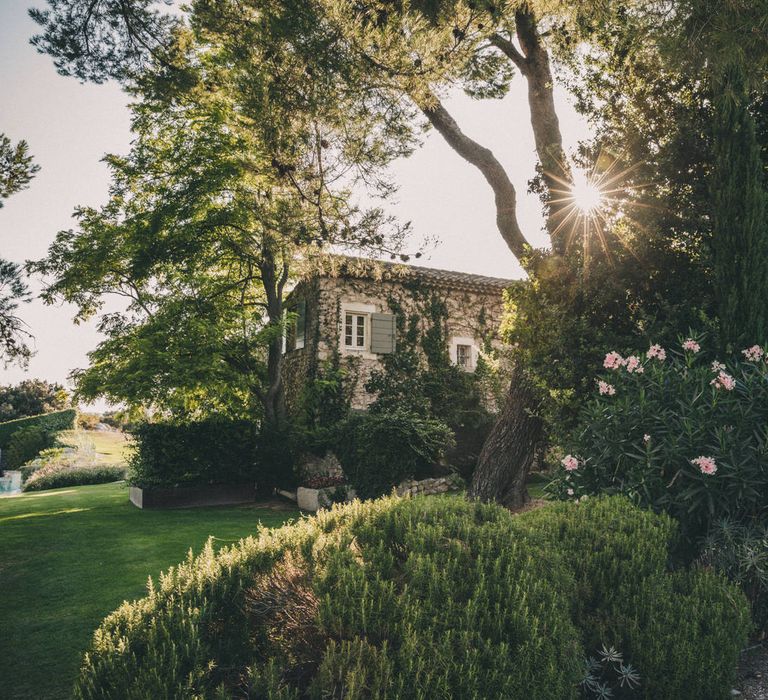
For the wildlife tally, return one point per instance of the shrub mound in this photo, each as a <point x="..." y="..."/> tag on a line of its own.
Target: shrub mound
<point x="26" y="443"/>
<point x="379" y="450"/>
<point x="55" y="476"/>
<point x="424" y="598"/>
<point x="51" y="422"/>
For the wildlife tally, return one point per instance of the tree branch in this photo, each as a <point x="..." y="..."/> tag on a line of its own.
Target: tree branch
<point x="487" y="163"/>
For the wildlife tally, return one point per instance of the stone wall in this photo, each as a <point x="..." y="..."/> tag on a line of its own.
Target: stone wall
<point x="430" y="487"/>
<point x="470" y="314"/>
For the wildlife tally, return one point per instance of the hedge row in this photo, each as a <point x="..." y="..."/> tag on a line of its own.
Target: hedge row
<point x="213" y="451"/>
<point x="426" y="598"/>
<point x="51" y="422"/>
<point x="57" y="476"/>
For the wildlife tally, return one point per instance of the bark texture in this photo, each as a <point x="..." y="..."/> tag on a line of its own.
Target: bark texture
<point x="511" y="447"/>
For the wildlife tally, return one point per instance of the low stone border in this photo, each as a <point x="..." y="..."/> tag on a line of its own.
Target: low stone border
<point x="192" y="496"/>
<point x="430" y="487"/>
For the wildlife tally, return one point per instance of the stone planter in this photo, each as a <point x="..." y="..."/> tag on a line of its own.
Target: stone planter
<point x="192" y="496"/>
<point x="315" y="499"/>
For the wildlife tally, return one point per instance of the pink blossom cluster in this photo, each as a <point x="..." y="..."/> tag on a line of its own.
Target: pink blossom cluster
<point x="658" y="352"/>
<point x="753" y="354"/>
<point x="706" y="465"/>
<point x="613" y="360"/>
<point x="691" y="345"/>
<point x="605" y="388"/>
<point x="724" y="381"/>
<point x="633" y="365"/>
<point x="570" y="463"/>
<point x="717" y="366"/>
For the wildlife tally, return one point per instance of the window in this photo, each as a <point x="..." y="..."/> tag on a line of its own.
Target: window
<point x="355" y="331"/>
<point x="464" y="356"/>
<point x="464" y="353"/>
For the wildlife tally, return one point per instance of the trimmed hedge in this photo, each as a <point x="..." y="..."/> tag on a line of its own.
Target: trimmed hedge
<point x="424" y="598"/>
<point x="56" y="476"/>
<point x="51" y="422"/>
<point x="26" y="444"/>
<point x="213" y="451"/>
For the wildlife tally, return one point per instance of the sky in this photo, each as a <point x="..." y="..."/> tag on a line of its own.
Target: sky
<point x="71" y="126"/>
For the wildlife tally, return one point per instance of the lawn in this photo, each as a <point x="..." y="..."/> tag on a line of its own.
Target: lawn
<point x="111" y="446"/>
<point x="70" y="556"/>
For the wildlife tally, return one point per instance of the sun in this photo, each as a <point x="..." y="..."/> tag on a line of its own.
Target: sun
<point x="585" y="193"/>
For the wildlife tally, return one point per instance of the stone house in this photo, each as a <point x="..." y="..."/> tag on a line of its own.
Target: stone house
<point x="355" y="311"/>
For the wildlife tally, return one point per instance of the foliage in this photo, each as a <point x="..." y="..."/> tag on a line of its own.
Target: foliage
<point x="16" y="167"/>
<point x="560" y="324"/>
<point x="417" y="598"/>
<point x="32" y="397"/>
<point x="25" y="444"/>
<point x="419" y="377"/>
<point x="52" y="422"/>
<point x="740" y="552"/>
<point x="624" y="595"/>
<point x="212" y="451"/>
<point x="88" y="421"/>
<point x="607" y="676"/>
<point x="678" y="434"/>
<point x="377" y="450"/>
<point x="58" y="475"/>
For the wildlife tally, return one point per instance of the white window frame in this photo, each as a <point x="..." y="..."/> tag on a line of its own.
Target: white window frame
<point x="457" y="340"/>
<point x="358" y="309"/>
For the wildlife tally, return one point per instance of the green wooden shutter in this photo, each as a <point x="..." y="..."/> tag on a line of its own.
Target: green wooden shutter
<point x="383" y="333"/>
<point x="301" y="323"/>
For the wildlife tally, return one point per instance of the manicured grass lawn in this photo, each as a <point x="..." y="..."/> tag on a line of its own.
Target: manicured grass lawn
<point x="70" y="556"/>
<point x="112" y="447"/>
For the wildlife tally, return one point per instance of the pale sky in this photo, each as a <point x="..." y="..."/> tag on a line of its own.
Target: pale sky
<point x="70" y="126"/>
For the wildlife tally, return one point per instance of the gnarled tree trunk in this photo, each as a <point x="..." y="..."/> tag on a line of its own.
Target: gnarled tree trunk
<point x="511" y="446"/>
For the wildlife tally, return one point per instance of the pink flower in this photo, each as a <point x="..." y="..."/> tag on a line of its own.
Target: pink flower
<point x="570" y="492"/>
<point x="633" y="364"/>
<point x="724" y="381"/>
<point x="658" y="352"/>
<point x="570" y="463"/>
<point x="691" y="345"/>
<point x="606" y="388"/>
<point x="706" y="465"/>
<point x="646" y="438"/>
<point x="613" y="360"/>
<point x="754" y="353"/>
<point x="717" y="366"/>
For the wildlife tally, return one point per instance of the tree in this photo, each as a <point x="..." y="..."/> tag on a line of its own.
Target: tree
<point x="16" y="171"/>
<point x="31" y="398"/>
<point x="209" y="215"/>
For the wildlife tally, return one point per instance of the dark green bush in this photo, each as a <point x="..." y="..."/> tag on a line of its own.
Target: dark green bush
<point x="211" y="451"/>
<point x="669" y="625"/>
<point x="379" y="450"/>
<point x="25" y="444"/>
<point x="58" y="476"/>
<point x="424" y="598"/>
<point x="52" y="422"/>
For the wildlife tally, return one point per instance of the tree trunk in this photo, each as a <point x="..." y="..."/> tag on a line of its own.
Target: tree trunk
<point x="511" y="446"/>
<point x="274" y="396"/>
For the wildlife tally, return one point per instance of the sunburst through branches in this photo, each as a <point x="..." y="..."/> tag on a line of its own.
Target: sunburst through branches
<point x="589" y="203"/>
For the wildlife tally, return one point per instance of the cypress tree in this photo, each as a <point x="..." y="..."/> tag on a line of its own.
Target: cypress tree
<point x="740" y="229"/>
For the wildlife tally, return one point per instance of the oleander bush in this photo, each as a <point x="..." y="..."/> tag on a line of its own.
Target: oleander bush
<point x="423" y="598"/>
<point x="55" y="476"/>
<point x="677" y="432"/>
<point x="377" y="450"/>
<point x="212" y="451"/>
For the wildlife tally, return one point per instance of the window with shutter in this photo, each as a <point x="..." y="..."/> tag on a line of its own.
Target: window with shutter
<point x="383" y="333"/>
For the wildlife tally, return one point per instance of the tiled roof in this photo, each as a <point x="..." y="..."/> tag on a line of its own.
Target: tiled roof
<point x="367" y="268"/>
